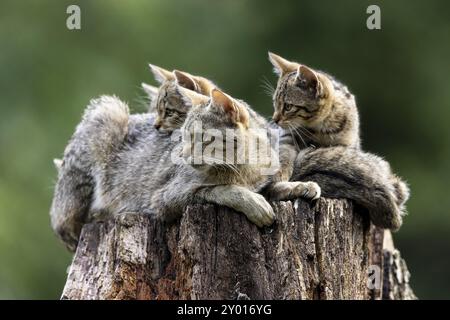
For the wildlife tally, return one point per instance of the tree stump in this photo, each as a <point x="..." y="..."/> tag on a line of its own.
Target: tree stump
<point x="327" y="250"/>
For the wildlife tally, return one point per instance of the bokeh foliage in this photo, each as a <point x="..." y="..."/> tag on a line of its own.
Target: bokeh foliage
<point x="400" y="75"/>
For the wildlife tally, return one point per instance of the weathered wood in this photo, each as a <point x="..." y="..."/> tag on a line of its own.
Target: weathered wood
<point x="320" y="251"/>
<point x="395" y="273"/>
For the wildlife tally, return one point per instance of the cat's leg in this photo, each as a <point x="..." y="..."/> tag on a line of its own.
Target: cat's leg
<point x="73" y="190"/>
<point x="70" y="205"/>
<point x="170" y="201"/>
<point x="279" y="188"/>
<point x="286" y="190"/>
<point x="359" y="176"/>
<point x="252" y="204"/>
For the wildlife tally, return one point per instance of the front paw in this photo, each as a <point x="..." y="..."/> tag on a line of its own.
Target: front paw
<point x="307" y="190"/>
<point x="259" y="211"/>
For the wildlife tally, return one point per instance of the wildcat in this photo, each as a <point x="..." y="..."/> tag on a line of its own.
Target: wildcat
<point x="118" y="163"/>
<point x="136" y="177"/>
<point x="222" y="113"/>
<point x="71" y="205"/>
<point x="171" y="113"/>
<point x="316" y="110"/>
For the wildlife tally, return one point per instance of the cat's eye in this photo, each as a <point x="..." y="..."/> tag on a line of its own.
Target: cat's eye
<point x="170" y="113"/>
<point x="288" y="107"/>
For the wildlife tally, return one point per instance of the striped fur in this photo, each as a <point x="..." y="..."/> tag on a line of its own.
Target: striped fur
<point x="321" y="143"/>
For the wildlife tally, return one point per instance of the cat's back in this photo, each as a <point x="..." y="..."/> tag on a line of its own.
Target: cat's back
<point x="141" y="166"/>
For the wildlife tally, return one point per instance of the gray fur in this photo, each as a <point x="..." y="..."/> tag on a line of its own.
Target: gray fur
<point x="117" y="163"/>
<point x="74" y="190"/>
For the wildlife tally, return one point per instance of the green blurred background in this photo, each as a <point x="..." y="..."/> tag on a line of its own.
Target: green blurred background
<point x="400" y="75"/>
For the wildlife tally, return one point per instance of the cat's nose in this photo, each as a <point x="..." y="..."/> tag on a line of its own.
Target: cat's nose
<point x="158" y="123"/>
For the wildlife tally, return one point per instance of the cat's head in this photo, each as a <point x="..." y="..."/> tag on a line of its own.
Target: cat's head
<point x="303" y="97"/>
<point x="170" y="108"/>
<point x="214" y="130"/>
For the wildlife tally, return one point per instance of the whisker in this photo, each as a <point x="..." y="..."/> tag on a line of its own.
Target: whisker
<point x="302" y="130"/>
<point x="268" y="88"/>
<point x="294" y="139"/>
<point x="221" y="165"/>
<point x="307" y="132"/>
<point x="295" y="133"/>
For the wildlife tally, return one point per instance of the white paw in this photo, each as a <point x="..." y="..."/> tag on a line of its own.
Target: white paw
<point x="259" y="211"/>
<point x="308" y="190"/>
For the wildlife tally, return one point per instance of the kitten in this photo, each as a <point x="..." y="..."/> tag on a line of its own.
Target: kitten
<point x="118" y="163"/>
<point x="316" y="107"/>
<point x="171" y="113"/>
<point x="71" y="205"/>
<point x="316" y="110"/>
<point x="74" y="190"/>
<point x="136" y="177"/>
<point x="222" y="113"/>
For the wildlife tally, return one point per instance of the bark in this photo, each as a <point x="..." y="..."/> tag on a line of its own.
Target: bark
<point x="328" y="250"/>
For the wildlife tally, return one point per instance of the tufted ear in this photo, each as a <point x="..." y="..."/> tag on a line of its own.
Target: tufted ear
<point x="235" y="110"/>
<point x="151" y="91"/>
<point x="309" y="79"/>
<point x="185" y="80"/>
<point x="282" y="66"/>
<point x="192" y="98"/>
<point x="161" y="75"/>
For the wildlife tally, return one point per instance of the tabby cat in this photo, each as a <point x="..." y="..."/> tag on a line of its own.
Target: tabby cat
<point x="166" y="101"/>
<point x="117" y="163"/>
<point x="317" y="111"/>
<point x="74" y="190"/>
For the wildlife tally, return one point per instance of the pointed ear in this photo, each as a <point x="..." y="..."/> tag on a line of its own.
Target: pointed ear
<point x="198" y="84"/>
<point x="236" y="111"/>
<point x="309" y="79"/>
<point x="281" y="65"/>
<point x="192" y="98"/>
<point x="205" y="85"/>
<point x="161" y="75"/>
<point x="58" y="164"/>
<point x="186" y="80"/>
<point x="151" y="91"/>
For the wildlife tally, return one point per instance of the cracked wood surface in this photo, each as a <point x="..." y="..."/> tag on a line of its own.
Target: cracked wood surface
<point x="320" y="251"/>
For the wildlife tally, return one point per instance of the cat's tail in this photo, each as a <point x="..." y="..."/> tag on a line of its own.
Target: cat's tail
<point x="105" y="121"/>
<point x="359" y="176"/>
